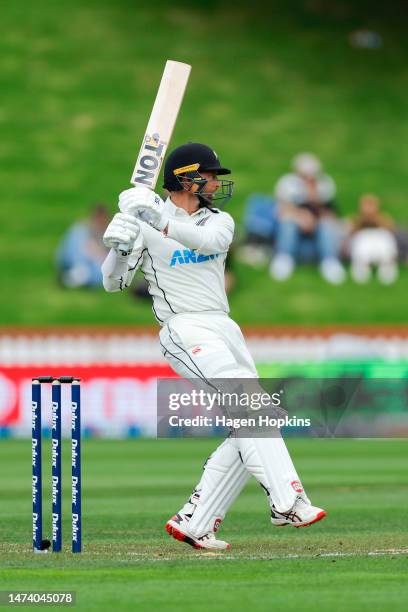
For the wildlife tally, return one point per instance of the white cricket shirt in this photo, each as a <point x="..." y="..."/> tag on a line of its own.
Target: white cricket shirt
<point x="185" y="269"/>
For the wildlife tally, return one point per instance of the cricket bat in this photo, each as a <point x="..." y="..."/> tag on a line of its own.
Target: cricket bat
<point x="160" y="126"/>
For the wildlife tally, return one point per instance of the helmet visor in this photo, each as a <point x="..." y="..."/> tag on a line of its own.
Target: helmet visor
<point x="221" y="196"/>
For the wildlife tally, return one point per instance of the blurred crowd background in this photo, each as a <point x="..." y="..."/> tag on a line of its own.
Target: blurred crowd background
<point x="302" y="223"/>
<point x="299" y="223"/>
<point x="304" y="99"/>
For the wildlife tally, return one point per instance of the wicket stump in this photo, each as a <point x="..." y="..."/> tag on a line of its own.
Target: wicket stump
<point x="56" y="462"/>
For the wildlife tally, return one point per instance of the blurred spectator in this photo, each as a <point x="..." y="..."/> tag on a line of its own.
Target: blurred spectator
<point x="81" y="251"/>
<point x="260" y="224"/>
<point x="373" y="242"/>
<point x="308" y="227"/>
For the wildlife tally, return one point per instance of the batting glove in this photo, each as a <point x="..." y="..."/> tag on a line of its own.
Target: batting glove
<point x="145" y="205"/>
<point x="122" y="230"/>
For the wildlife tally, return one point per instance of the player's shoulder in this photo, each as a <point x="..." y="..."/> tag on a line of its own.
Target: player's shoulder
<point x="222" y="217"/>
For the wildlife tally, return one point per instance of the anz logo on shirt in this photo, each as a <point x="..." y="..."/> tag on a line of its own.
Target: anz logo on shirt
<point x="187" y="256"/>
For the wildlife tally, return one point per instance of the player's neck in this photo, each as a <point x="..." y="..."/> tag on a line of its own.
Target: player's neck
<point x="186" y="201"/>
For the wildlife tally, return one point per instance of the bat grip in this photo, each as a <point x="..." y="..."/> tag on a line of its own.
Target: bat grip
<point x="123" y="248"/>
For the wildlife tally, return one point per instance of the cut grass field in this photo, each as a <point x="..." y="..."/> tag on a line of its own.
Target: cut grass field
<point x="356" y="559"/>
<point x="269" y="79"/>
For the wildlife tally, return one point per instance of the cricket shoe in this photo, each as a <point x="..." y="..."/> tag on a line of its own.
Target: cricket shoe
<point x="300" y="515"/>
<point x="176" y="527"/>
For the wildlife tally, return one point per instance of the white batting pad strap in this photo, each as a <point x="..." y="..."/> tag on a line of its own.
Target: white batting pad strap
<point x="269" y="461"/>
<point x="223" y="479"/>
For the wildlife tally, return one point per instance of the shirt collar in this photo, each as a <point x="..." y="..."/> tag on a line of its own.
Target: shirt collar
<point x="175" y="211"/>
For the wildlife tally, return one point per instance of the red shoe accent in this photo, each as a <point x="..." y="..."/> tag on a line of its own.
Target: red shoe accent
<point x="181" y="537"/>
<point x="319" y="517"/>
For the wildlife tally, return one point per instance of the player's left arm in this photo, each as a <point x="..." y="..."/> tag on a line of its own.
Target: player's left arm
<point x="215" y="237"/>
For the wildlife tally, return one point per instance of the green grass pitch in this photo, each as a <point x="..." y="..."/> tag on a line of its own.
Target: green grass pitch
<point x="356" y="559"/>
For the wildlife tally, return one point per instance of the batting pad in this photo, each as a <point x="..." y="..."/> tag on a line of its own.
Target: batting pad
<point x="269" y="461"/>
<point x="223" y="479"/>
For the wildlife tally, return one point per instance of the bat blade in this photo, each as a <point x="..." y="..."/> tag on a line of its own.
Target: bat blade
<point x="161" y="124"/>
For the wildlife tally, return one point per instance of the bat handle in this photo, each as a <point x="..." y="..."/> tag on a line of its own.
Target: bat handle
<point x="123" y="248"/>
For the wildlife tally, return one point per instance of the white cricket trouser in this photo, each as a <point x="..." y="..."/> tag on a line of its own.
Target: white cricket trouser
<point x="211" y="345"/>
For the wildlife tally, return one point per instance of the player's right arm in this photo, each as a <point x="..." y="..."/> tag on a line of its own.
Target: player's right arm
<point x="120" y="266"/>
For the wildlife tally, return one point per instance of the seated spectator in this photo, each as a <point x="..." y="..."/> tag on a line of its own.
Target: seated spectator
<point x="308" y="226"/>
<point x="260" y="223"/>
<point x="81" y="251"/>
<point x="373" y="242"/>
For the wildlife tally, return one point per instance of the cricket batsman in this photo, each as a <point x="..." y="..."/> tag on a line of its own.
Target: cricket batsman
<point x="181" y="246"/>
